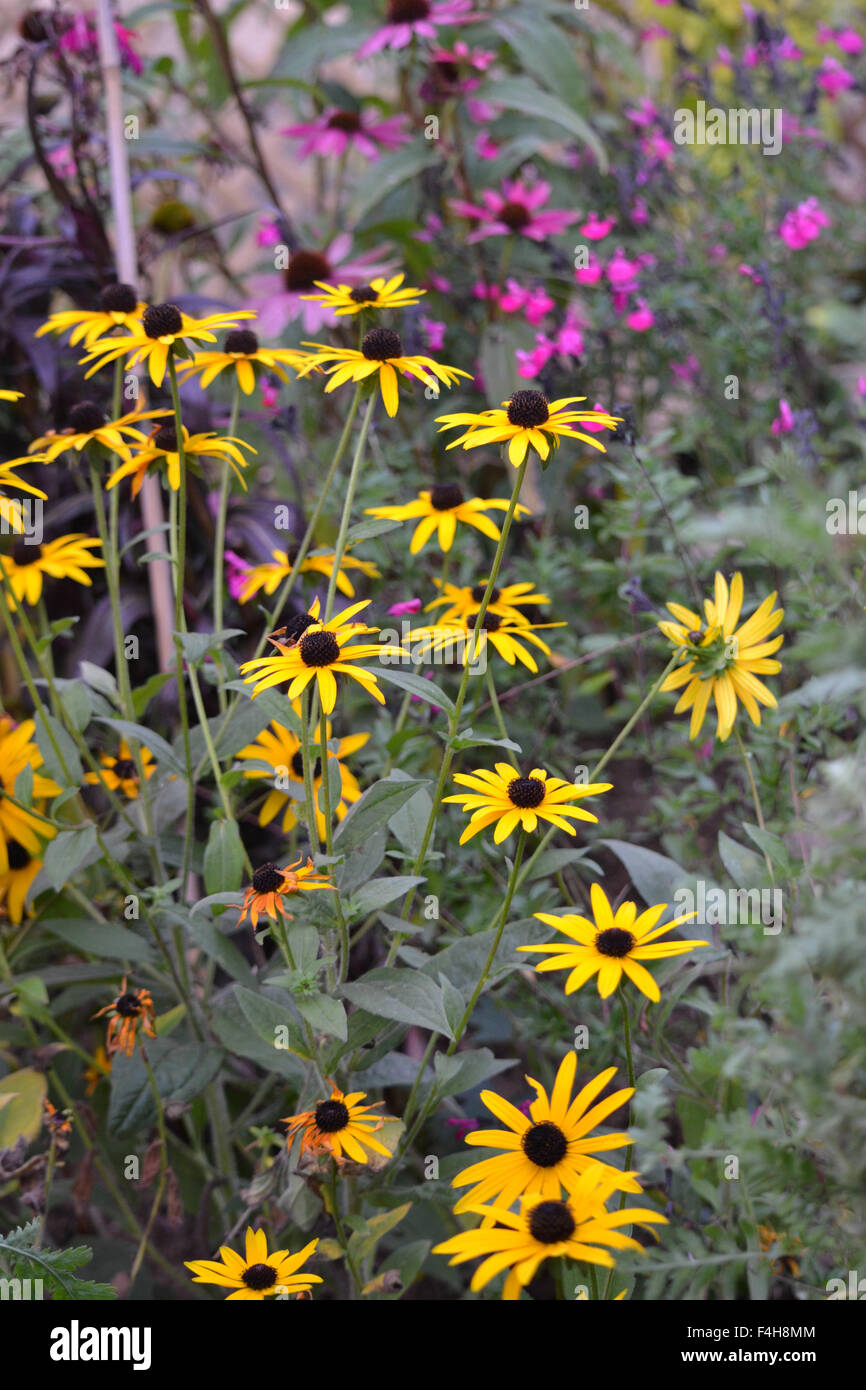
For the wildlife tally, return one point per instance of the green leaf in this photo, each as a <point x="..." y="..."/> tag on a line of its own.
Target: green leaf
<point x="181" y="1071"/>
<point x="463" y="961"/>
<point x="65" y="769"/>
<point x="363" y="1243"/>
<point x="211" y="940"/>
<point x="466" y="1070"/>
<point x="387" y="174"/>
<point x="196" y="645"/>
<point x="21" y="1096"/>
<point x="521" y="94"/>
<point x="428" y="691"/>
<point x="366" y="530"/>
<point x="406" y="996"/>
<point x="375" y="809"/>
<point x="745" y="867"/>
<point x="76" y="702"/>
<point x="378" y="892"/>
<point x="99" y="939"/>
<point x="238" y="1037"/>
<point x="223" y="858"/>
<point x="271" y="1021"/>
<point x="469" y="739"/>
<point x="324" y="1014"/>
<point x="161" y="750"/>
<point x="771" y="844"/>
<point x="409" y="824"/>
<point x="66" y="852"/>
<point x="142" y="697"/>
<point x="543" y="51"/>
<point x="655" y="876"/>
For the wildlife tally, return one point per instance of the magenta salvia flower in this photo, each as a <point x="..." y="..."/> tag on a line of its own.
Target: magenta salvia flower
<point x="336" y="130"/>
<point x="434" y="333"/>
<point x="400" y="610"/>
<point x="784" y="421"/>
<point x="595" y="227"/>
<point x="833" y="78"/>
<point x="641" y="318"/>
<point x="591" y="273"/>
<point x="803" y="224"/>
<point x="82" y="37"/>
<point x="517" y="209"/>
<point x="408" y="20"/>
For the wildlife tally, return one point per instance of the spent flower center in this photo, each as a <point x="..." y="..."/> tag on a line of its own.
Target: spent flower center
<point x="479" y="590"/>
<point x="304" y="269"/>
<point x="363" y="294"/>
<point x="165" y="438"/>
<point x="17" y="855"/>
<point x="349" y="121"/>
<point x="331" y="1116"/>
<point x="514" y="215"/>
<point x="128" y="1005"/>
<point x="267" y="879"/>
<point x="407" y="11"/>
<point x="124" y="768"/>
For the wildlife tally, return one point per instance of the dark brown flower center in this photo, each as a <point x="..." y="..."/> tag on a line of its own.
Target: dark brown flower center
<point x="159" y="320"/>
<point x="165" y="438"/>
<point x="331" y="1115"/>
<point x="544" y="1144"/>
<point x="128" y="1005"/>
<point x="17" y="855"/>
<point x="364" y="294"/>
<point x="297" y="625"/>
<point x="528" y="409"/>
<point x="241" y="340"/>
<point x="298" y="766"/>
<point x="445" y="496"/>
<point x="614" y="942"/>
<point x="479" y="590"/>
<point x="551" y="1222"/>
<point x="259" y="1277"/>
<point x="304" y="269"/>
<point x="86" y="417"/>
<point x="407" y="11"/>
<point x="380" y="344"/>
<point x="118" y="299"/>
<point x="526" y="792"/>
<point x="514" y="215"/>
<point x="267" y="879"/>
<point x="319" y="649"/>
<point x="492" y="622"/>
<point x="349" y="121"/>
<point x="124" y="768"/>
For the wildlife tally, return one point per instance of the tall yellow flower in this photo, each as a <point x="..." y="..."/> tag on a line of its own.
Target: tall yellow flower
<point x="119" y="307"/>
<point x="88" y="425"/>
<point x="281" y="751"/>
<point x="18" y="751"/>
<point x="463" y="601"/>
<point x="379" y="294"/>
<point x="440" y="508"/>
<point x="381" y="351"/>
<point x="722" y="660"/>
<point x="161" y="450"/>
<point x="67" y="557"/>
<point x="527" y="420"/>
<point x="507" y="636"/>
<point x="242" y="355"/>
<point x="505" y="799"/>
<point x="270" y="575"/>
<point x="257" y="1275"/>
<point x="164" y="328"/>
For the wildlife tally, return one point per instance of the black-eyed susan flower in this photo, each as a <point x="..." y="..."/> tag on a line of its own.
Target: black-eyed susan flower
<point x="257" y="1275"/>
<point x="527" y="420"/>
<point x="57" y="1122"/>
<point x="786" y="1263"/>
<point x="9" y="479"/>
<point x="130" y="1011"/>
<point x="314" y="651"/>
<point x="242" y="354"/>
<point x="440" y="508"/>
<point x="121" y="771"/>
<point x="462" y="601"/>
<point x="270" y="885"/>
<point x="11" y="395"/>
<point x="381" y="351"/>
<point x="505" y="799"/>
<point x="379" y="294"/>
<point x="67" y="557"/>
<point x="721" y="660"/>
<point x="580" y="1228"/>
<point x="88" y="425"/>
<point x="22" y="870"/>
<point x="270" y="575"/>
<point x="119" y="307"/>
<point x="164" y="328"/>
<point x="547" y="1152"/>
<point x="612" y="945"/>
<point x="340" y="1126"/>
<point x="281" y="750"/>
<point x="508" y="636"/>
<point x="161" y="449"/>
<point x="17" y="825"/>
<point x="100" y="1070"/>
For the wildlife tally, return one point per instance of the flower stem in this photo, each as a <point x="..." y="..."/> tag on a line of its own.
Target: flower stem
<point x="340" y="548"/>
<point x="220" y="545"/>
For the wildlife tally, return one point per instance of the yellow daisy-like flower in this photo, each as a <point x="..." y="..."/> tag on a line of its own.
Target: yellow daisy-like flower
<point x="119" y="307"/>
<point x="381" y="351"/>
<point x="721" y="660"/>
<point x="281" y="750"/>
<point x="546" y="1228"/>
<point x="527" y="420"/>
<point x="8" y="479"/>
<point x="17" y="880"/>
<point x="162" y="449"/>
<point x="99" y="1071"/>
<point x="68" y="557"/>
<point x="612" y="945"/>
<point x="130" y="1011"/>
<point x="11" y="395"/>
<point x="242" y="354"/>
<point x="256" y="1275"/>
<point x="270" y="885"/>
<point x="379" y="294"/>
<point x="546" y="1153"/>
<point x="440" y="508"/>
<point x="463" y="601"/>
<point x="339" y="1125"/>
<point x="164" y="328"/>
<point x="18" y="751"/>
<point x="506" y="635"/>
<point x="88" y="425"/>
<point x="314" y="651"/>
<point x="121" y="770"/>
<point x="270" y="576"/>
<point x="505" y="799"/>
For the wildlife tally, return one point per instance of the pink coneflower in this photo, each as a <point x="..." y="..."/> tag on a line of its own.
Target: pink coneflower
<point x="530" y="364"/>
<point x="833" y="78"/>
<point x="596" y="228"/>
<point x="280" y="300"/>
<point x="336" y="130"/>
<point x="517" y="209"/>
<point x="461" y="55"/>
<point x="407" y="20"/>
<point x="641" y="318"/>
<point x="784" y="421"/>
